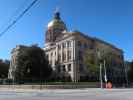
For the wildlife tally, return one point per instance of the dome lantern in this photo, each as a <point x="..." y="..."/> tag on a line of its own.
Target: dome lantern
<point x="57" y="15"/>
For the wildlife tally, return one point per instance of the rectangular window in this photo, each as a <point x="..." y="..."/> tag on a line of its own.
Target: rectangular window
<point x="47" y="56"/>
<point x="59" y="58"/>
<point x="85" y="45"/>
<point x="80" y="55"/>
<point x="64" y="56"/>
<point x="81" y="68"/>
<point x="55" y="53"/>
<point x="63" y="67"/>
<point x="64" y="45"/>
<point x="69" y="55"/>
<point x="58" y="68"/>
<point x="69" y="43"/>
<point x="59" y="46"/>
<point x="79" y="43"/>
<point x="69" y="67"/>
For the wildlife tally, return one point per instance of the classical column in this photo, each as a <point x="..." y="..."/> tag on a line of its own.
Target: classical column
<point x="54" y="58"/>
<point x="61" y="52"/>
<point x="72" y="72"/>
<point x="57" y="53"/>
<point x="74" y="67"/>
<point x="73" y="50"/>
<point x="49" y="54"/>
<point x="66" y="51"/>
<point x="66" y="67"/>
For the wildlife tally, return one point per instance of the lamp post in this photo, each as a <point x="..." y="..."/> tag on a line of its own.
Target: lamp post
<point x="100" y="74"/>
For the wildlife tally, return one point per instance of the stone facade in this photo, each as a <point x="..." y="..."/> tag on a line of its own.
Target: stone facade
<point x="68" y="50"/>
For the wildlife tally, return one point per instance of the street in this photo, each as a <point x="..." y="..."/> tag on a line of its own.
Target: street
<point x="67" y="94"/>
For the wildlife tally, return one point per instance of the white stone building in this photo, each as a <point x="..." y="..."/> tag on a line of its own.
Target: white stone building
<point x="67" y="49"/>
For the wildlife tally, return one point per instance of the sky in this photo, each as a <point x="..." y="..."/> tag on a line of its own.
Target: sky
<point x="110" y="20"/>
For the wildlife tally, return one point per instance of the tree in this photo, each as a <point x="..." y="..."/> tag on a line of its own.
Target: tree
<point x="92" y="60"/>
<point x="91" y="64"/>
<point x="130" y="71"/>
<point x="89" y="60"/>
<point x="4" y="67"/>
<point x="32" y="64"/>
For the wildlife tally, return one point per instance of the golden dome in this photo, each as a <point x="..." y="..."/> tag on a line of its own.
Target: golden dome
<point x="57" y="23"/>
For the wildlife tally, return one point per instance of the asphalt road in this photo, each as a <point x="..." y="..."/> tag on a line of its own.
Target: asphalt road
<point x="67" y="94"/>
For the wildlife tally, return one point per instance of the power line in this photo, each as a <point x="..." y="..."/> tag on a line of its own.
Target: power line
<point x="18" y="18"/>
<point x="14" y="15"/>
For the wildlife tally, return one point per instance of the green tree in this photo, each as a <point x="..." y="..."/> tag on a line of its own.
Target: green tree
<point x="91" y="64"/>
<point x="93" y="59"/>
<point x="4" y="67"/>
<point x="90" y="61"/>
<point x="130" y="71"/>
<point x="32" y="64"/>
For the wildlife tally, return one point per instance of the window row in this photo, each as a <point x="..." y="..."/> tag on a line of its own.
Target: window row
<point x="65" y="44"/>
<point x="67" y="55"/>
<point x="84" y="45"/>
<point x="64" y="68"/>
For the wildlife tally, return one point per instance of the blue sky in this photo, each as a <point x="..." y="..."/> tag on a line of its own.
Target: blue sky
<point x="110" y="20"/>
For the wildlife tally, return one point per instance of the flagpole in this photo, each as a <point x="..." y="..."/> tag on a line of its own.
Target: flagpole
<point x="105" y="74"/>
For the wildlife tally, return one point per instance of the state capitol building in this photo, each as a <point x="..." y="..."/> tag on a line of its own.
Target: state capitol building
<point x="72" y="55"/>
<point x="67" y="51"/>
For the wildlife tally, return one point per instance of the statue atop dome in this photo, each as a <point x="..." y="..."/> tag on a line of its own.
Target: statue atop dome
<point x="57" y="14"/>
